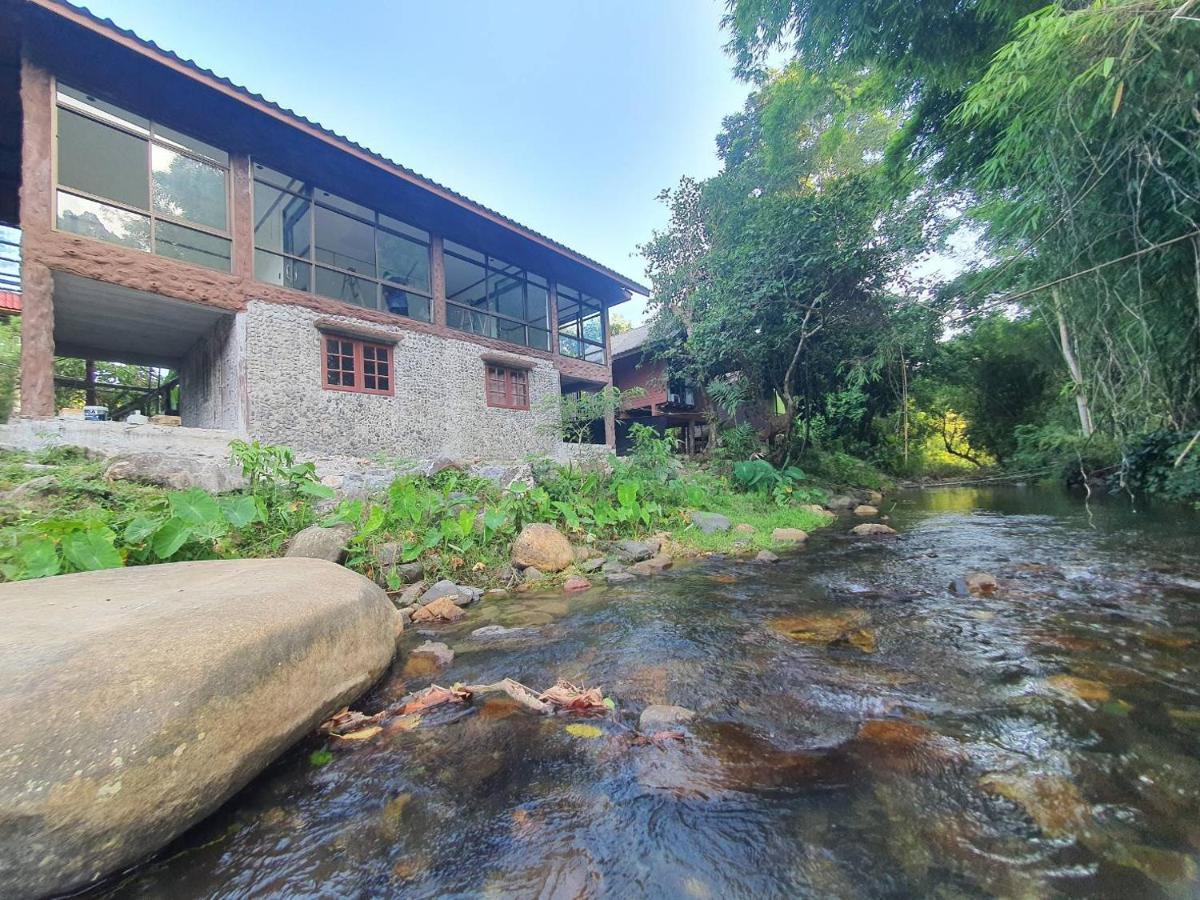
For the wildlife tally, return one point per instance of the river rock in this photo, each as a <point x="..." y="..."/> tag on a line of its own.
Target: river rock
<point x="315" y="542"/>
<point x="443" y="609"/>
<point x="659" y="716"/>
<point x="767" y="556"/>
<point x="500" y="633"/>
<point x="842" y="502"/>
<point x="865" y="510"/>
<point x="576" y="583"/>
<point x="744" y="528"/>
<point x="592" y="565"/>
<point x="460" y="594"/>
<point x="867" y="529"/>
<point x="136" y="701"/>
<point x="874" y="498"/>
<point x="532" y="574"/>
<point x="434" y="651"/>
<point x="543" y="547"/>
<point x="709" y="522"/>
<point x="656" y="565"/>
<point x="981" y="583"/>
<point x="619" y="577"/>
<point x="176" y="471"/>
<point x="789" y="535"/>
<point x="630" y="552"/>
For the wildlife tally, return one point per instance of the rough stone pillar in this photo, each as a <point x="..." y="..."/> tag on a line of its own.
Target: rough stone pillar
<point x="37" y="341"/>
<point x="610" y="430"/>
<point x="241" y="216"/>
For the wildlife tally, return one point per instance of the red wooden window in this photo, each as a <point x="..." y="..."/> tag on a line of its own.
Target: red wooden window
<point x="357" y="366"/>
<point x="507" y="388"/>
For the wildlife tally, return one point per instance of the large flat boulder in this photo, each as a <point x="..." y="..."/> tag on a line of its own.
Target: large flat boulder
<point x="136" y="701"/>
<point x="176" y="471"/>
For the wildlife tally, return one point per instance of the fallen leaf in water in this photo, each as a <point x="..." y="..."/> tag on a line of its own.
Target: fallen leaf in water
<point x="430" y="697"/>
<point x="363" y="734"/>
<point x="1079" y="688"/>
<point x="576" y="729"/>
<point x="863" y="639"/>
<point x="610" y="703"/>
<point x="570" y="698"/>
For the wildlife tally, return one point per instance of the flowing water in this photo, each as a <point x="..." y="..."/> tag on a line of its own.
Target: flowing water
<point x="861" y="730"/>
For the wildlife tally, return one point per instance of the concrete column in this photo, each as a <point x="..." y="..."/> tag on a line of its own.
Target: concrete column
<point x="241" y="216"/>
<point x="37" y="340"/>
<point x="437" y="279"/>
<point x="610" y="430"/>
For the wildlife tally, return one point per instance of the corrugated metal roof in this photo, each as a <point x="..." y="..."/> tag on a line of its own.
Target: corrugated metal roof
<point x="10" y="302"/>
<point x="59" y="6"/>
<point x="630" y="340"/>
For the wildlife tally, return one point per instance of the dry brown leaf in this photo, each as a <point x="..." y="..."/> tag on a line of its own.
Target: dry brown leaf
<point x="363" y="734"/>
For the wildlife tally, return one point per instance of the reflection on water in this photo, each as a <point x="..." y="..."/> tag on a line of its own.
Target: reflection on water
<point x="861" y="731"/>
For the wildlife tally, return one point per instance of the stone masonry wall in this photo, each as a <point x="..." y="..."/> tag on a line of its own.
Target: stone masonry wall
<point x="211" y="378"/>
<point x="439" y="407"/>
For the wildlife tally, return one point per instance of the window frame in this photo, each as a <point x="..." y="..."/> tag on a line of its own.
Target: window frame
<point x="359" y="370"/>
<point x="508" y="373"/>
<point x="311" y="194"/>
<point x="495" y="267"/>
<point x="152" y="137"/>
<point x="571" y="330"/>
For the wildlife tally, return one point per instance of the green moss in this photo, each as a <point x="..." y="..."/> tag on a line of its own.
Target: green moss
<point x="750" y="510"/>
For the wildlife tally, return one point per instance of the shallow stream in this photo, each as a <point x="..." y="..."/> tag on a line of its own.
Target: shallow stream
<point x="1044" y="740"/>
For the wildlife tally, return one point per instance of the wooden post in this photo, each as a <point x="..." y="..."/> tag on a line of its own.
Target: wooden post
<point x="89" y="381"/>
<point x="241" y="214"/>
<point x="437" y="279"/>
<point x="37" y="341"/>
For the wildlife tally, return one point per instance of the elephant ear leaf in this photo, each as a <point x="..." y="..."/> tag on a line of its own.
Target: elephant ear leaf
<point x="240" y="511"/>
<point x="173" y="534"/>
<point x="92" y="549"/>
<point x="36" y="558"/>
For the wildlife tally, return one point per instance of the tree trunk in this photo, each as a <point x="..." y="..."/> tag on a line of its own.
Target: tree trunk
<point x="1068" y="352"/>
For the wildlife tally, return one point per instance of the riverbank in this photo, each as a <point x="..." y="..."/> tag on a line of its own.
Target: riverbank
<point x="63" y="511"/>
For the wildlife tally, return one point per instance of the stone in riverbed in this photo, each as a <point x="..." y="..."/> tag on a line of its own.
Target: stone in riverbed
<point x="136" y="701"/>
<point x="443" y="609"/>
<point x="500" y="633"/>
<point x="869" y="529"/>
<point x="865" y="509"/>
<point x="542" y="546"/>
<point x="315" y="542"/>
<point x="619" y="577"/>
<point x="592" y="565"/>
<point x="629" y="551"/>
<point x="659" y="716"/>
<point x="708" y="522"/>
<point x="654" y="566"/>
<point x="435" y="651"/>
<point x="767" y="556"/>
<point x="842" y="502"/>
<point x="576" y="583"/>
<point x="789" y="535"/>
<point x="459" y="594"/>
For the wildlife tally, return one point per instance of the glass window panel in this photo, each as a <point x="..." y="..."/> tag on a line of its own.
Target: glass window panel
<point x="594" y="354"/>
<point x="539" y="338"/>
<point x="282" y="222"/>
<point x="465" y="282"/>
<point x="404" y="228"/>
<point x="466" y="252"/>
<point x="76" y="99"/>
<point x="403" y="261"/>
<point x="512" y="332"/>
<point x="282" y="271"/>
<point x="170" y="135"/>
<point x="568" y="311"/>
<point x="496" y="265"/>
<point x="537" y="305"/>
<point x="593" y="329"/>
<point x="279" y="180"/>
<point x="347" y="206"/>
<point x="344" y="242"/>
<point x="190" y="245"/>
<point x="187" y="188"/>
<point x="97" y="220"/>
<point x="347" y="288"/>
<point x="569" y="346"/>
<point x="102" y="161"/>
<point x="508" y="295"/>
<point x="537" y="279"/>
<point x="471" y="320"/>
<point x="567" y="293"/>
<point x="404" y="303"/>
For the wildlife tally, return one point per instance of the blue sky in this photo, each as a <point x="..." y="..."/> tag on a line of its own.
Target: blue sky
<point x="567" y="116"/>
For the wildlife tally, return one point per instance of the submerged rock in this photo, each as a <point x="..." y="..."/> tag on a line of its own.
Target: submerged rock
<point x="659" y="716"/>
<point x="767" y="556"/>
<point x="436" y="651"/>
<point x="500" y="632"/>
<point x="576" y="583"/>
<point x="653" y="566"/>
<point x="975" y="583"/>
<point x="619" y="577"/>
<point x="542" y="546"/>
<point x="136" y="701"/>
<point x="829" y="628"/>
<point x="1053" y="802"/>
<point x="315" y="542"/>
<point x="1079" y="688"/>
